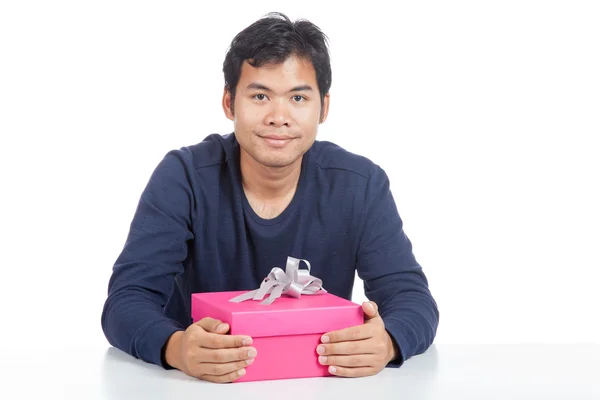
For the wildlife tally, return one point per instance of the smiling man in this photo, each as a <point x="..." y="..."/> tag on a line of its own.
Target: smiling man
<point x="218" y="215"/>
<point x="278" y="109"/>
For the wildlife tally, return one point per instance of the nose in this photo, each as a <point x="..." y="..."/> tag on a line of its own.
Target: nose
<point x="278" y="115"/>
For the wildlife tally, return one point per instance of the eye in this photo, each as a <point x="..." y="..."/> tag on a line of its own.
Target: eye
<point x="297" y="98"/>
<point x="260" y="97"/>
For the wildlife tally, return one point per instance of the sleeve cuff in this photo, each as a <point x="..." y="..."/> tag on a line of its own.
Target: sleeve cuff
<point x="154" y="342"/>
<point x="396" y="329"/>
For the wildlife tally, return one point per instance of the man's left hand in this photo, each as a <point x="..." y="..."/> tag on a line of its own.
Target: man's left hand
<point x="359" y="350"/>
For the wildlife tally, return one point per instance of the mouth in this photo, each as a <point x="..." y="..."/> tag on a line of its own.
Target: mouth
<point x="277" y="141"/>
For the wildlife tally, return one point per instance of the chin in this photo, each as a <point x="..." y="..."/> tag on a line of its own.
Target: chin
<point x="277" y="163"/>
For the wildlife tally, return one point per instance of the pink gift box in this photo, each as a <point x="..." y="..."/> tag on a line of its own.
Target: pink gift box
<point x="285" y="333"/>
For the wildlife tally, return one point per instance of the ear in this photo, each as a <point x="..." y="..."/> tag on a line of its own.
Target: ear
<point x="324" y="109"/>
<point x="227" y="105"/>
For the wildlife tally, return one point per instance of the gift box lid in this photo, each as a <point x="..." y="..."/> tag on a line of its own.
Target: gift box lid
<point x="318" y="313"/>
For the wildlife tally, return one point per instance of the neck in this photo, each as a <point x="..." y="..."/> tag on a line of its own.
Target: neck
<point x="266" y="183"/>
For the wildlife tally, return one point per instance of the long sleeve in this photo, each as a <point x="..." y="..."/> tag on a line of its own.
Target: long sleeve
<point x="142" y="280"/>
<point x="392" y="276"/>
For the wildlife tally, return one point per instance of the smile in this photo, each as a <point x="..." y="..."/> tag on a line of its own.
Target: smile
<point x="277" y="142"/>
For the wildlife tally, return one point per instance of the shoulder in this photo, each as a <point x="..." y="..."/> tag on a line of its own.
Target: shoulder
<point x="182" y="163"/>
<point x="333" y="159"/>
<point x="213" y="150"/>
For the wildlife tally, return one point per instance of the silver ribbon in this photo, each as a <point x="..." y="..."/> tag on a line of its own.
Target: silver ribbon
<point x="293" y="282"/>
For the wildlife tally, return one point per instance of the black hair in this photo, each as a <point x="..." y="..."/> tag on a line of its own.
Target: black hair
<point x="271" y="40"/>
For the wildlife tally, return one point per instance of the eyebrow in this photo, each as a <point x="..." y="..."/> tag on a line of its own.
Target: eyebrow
<point x="260" y="86"/>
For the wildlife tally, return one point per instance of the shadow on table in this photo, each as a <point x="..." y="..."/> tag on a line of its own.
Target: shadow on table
<point x="125" y="377"/>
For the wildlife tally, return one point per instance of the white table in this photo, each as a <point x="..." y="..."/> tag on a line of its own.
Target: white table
<point x="443" y="372"/>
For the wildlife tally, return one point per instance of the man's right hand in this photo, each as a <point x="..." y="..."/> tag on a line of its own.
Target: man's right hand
<point x="205" y="351"/>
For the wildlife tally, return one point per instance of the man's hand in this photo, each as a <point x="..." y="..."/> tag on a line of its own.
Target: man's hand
<point x="359" y="350"/>
<point x="205" y="351"/>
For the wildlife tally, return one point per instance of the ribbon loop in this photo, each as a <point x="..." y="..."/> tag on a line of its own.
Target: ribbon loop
<point x="293" y="282"/>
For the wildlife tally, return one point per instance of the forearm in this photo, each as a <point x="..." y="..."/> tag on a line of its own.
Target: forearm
<point x="172" y="356"/>
<point x="411" y="319"/>
<point x="410" y="315"/>
<point x="134" y="323"/>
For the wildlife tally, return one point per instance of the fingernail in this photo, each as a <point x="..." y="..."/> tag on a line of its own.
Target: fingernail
<point x="369" y="305"/>
<point x="321" y="349"/>
<point x="252" y="353"/>
<point x="249" y="361"/>
<point x="322" y="359"/>
<point x="325" y="339"/>
<point x="221" y="327"/>
<point x="241" y="372"/>
<point x="247" y="341"/>
<point x="332" y="370"/>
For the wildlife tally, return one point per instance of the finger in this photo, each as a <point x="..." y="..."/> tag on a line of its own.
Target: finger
<point x="210" y="324"/>
<point x="217" y="341"/>
<point x="226" y="355"/>
<point x="370" y="309"/>
<point x="230" y="377"/>
<point x="346" y="348"/>
<point x="222" y="369"/>
<point x="358" y="332"/>
<point x="222" y="328"/>
<point x="356" y="360"/>
<point x="351" y="372"/>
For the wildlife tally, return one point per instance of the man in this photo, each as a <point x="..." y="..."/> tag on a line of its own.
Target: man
<point x="218" y="215"/>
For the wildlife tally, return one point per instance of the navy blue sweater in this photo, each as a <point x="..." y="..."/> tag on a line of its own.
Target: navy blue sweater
<point x="194" y="231"/>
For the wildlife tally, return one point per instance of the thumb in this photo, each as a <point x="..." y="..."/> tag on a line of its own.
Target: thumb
<point x="213" y="325"/>
<point x="370" y="309"/>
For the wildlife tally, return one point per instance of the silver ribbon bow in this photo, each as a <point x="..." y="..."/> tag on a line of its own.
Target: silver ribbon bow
<point x="293" y="282"/>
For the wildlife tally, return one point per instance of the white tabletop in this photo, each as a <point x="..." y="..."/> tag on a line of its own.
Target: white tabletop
<point x="443" y="372"/>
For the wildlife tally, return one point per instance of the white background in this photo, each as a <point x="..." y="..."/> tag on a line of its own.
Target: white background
<point x="485" y="115"/>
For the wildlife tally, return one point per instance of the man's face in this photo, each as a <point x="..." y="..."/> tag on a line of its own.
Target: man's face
<point x="277" y="111"/>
